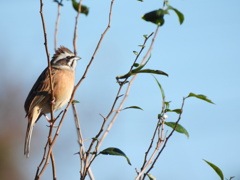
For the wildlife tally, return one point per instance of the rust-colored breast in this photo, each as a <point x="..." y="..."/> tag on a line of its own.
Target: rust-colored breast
<point x="63" y="87"/>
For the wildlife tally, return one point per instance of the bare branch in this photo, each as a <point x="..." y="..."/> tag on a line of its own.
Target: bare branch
<point x="76" y="28"/>
<point x="43" y="159"/>
<point x="81" y="144"/>
<point x="48" y="56"/>
<point x="52" y="101"/>
<point x="56" y="27"/>
<point x="53" y="167"/>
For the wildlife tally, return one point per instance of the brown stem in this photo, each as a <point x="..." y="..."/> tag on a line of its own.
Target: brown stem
<point x="48" y="56"/>
<point x="53" y="167"/>
<point x="99" y="142"/>
<point x="43" y="159"/>
<point x="49" y="152"/>
<point x="166" y="140"/>
<point x="51" y="88"/>
<point x="76" y="28"/>
<point x="56" y="27"/>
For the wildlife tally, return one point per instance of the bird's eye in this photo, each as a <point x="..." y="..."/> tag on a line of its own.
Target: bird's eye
<point x="68" y="57"/>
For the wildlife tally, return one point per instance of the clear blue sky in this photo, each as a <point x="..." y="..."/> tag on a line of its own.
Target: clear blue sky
<point x="200" y="56"/>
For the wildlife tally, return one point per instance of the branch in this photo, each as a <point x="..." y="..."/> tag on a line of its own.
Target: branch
<point x="53" y="167"/>
<point x="166" y="140"/>
<point x="43" y="159"/>
<point x="48" y="56"/>
<point x="107" y="130"/>
<point x="86" y="71"/>
<point x="56" y="27"/>
<point x="76" y="28"/>
<point x="51" y="102"/>
<point x="160" y="140"/>
<point x="81" y="144"/>
<point x="49" y="154"/>
<point x="74" y="91"/>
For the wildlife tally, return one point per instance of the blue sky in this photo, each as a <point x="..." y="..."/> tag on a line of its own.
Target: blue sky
<point x="200" y="56"/>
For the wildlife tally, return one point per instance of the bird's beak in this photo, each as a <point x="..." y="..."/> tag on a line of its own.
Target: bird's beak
<point x="77" y="58"/>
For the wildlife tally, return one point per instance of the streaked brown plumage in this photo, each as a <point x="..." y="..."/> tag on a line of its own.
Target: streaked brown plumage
<point x="39" y="98"/>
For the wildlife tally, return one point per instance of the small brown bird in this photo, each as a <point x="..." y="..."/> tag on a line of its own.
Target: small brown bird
<point x="39" y="99"/>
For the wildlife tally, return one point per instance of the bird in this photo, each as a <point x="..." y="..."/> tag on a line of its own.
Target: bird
<point x="39" y="99"/>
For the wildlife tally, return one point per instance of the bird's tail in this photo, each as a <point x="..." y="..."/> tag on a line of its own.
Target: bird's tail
<point x="28" y="138"/>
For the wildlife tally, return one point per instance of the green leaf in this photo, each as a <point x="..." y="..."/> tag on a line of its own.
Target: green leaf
<point x="151" y="177"/>
<point x="75" y="101"/>
<point x="151" y="71"/>
<point x="155" y="17"/>
<point x="135" y="52"/>
<point x="142" y="65"/>
<point x="133" y="107"/>
<point x="135" y="65"/>
<point x="178" y="128"/>
<point x="116" y="152"/>
<point x="167" y="104"/>
<point x="179" y="14"/>
<point x="123" y="76"/>
<point x="178" y="111"/>
<point x="84" y="9"/>
<point x="95" y="139"/>
<point x="200" y="96"/>
<point x="133" y="71"/>
<point x="141" y="46"/>
<point x="161" y="89"/>
<point x="145" y="35"/>
<point x="216" y="169"/>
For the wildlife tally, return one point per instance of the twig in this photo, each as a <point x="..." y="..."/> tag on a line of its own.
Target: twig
<point x="56" y="27"/>
<point x="81" y="144"/>
<point x="80" y="81"/>
<point x="52" y="94"/>
<point x="146" y="162"/>
<point x="150" y="146"/>
<point x="48" y="56"/>
<point x="105" y="133"/>
<point x="159" y="124"/>
<point x="166" y="140"/>
<point x="76" y="28"/>
<point x="96" y="49"/>
<point x="86" y="71"/>
<point x="49" y="153"/>
<point x="43" y="159"/>
<point x="53" y="167"/>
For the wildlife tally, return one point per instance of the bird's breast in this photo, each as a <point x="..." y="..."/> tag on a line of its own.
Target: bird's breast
<point x="63" y="83"/>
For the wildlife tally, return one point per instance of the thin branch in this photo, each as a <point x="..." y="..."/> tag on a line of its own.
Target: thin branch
<point x="56" y="27"/>
<point x="48" y="56"/>
<point x="43" y="159"/>
<point x="52" y="97"/>
<point x="127" y="91"/>
<point x="78" y="84"/>
<point x="53" y="167"/>
<point x="159" y="124"/>
<point x="166" y="140"/>
<point x="97" y="47"/>
<point x="150" y="146"/>
<point x="86" y="71"/>
<point x="105" y="133"/>
<point x="81" y="144"/>
<point x="75" y="36"/>
<point x="49" y="152"/>
<point x="147" y="162"/>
